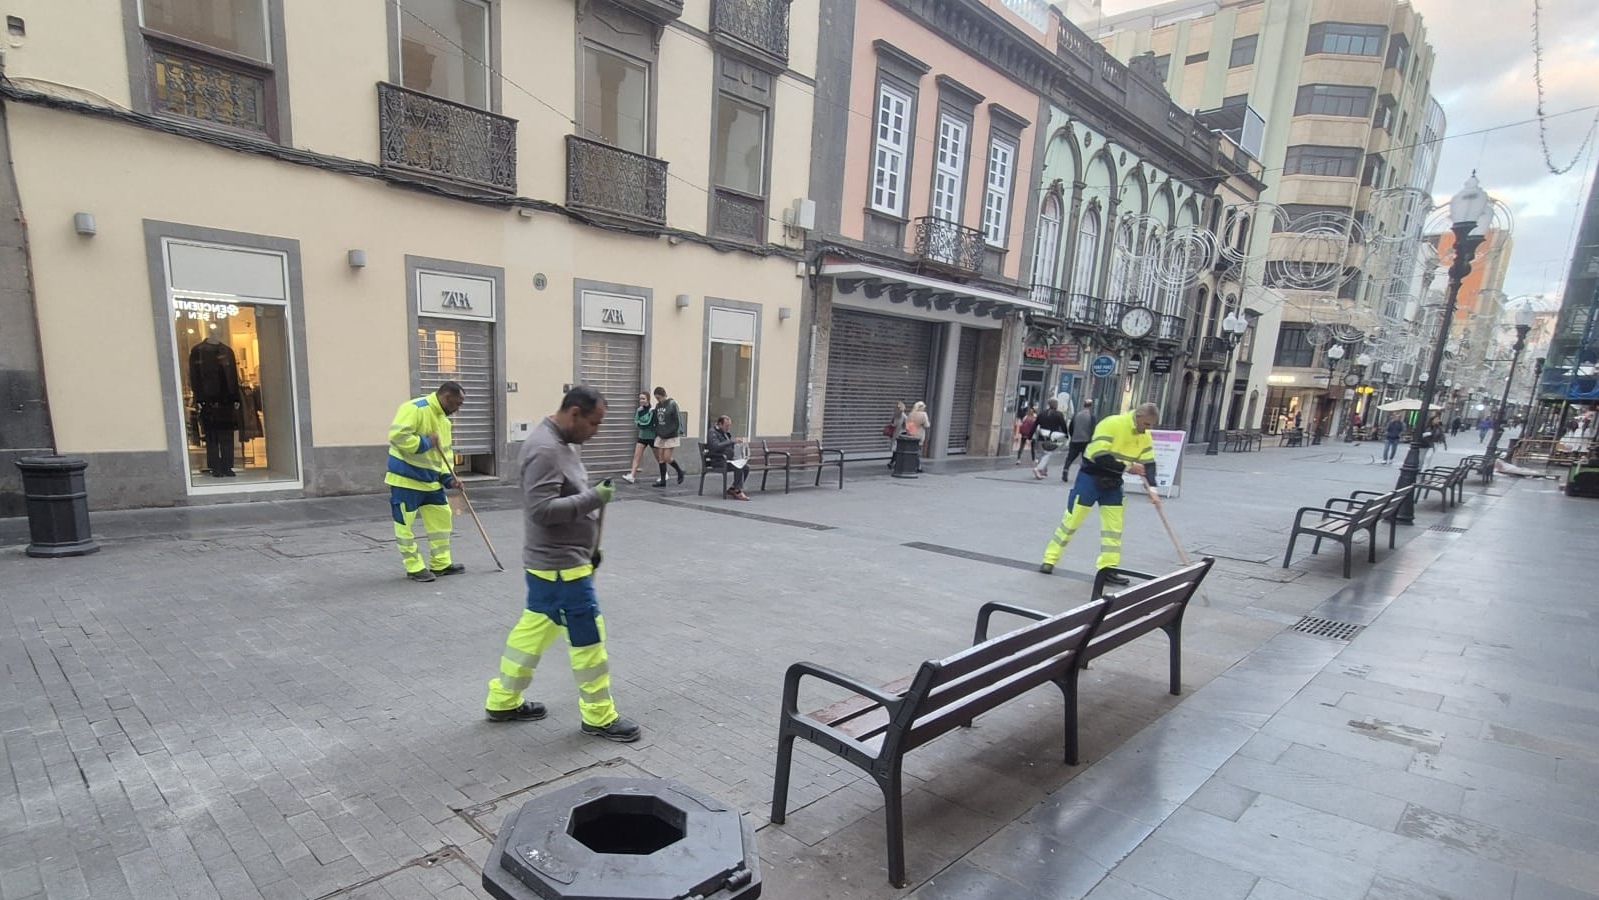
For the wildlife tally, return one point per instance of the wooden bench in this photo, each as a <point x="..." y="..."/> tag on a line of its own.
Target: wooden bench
<point x="875" y="728"/>
<point x="1339" y="525"/>
<point x="1241" y="441"/>
<point x="1392" y="501"/>
<point x="1448" y="482"/>
<point x="722" y="467"/>
<point x="1292" y="438"/>
<point x="788" y="456"/>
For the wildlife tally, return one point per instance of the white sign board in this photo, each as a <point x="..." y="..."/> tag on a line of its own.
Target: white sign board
<point x="616" y="313"/>
<point x="1168" y="462"/>
<point x="454" y="296"/>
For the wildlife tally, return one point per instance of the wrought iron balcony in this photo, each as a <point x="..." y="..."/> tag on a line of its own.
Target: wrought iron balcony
<point x="211" y="89"/>
<point x="661" y="12"/>
<point x="1076" y="310"/>
<point x="615" y="182"/>
<point x="948" y="244"/>
<point x="1211" y="353"/>
<point x="1169" y="328"/>
<point x="1111" y="312"/>
<point x="739" y="216"/>
<point x="757" y="25"/>
<point x="443" y="139"/>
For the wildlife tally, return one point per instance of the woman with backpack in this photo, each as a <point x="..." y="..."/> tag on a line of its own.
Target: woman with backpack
<point x="668" y="435"/>
<point x="644" y="421"/>
<point x="1024" y="431"/>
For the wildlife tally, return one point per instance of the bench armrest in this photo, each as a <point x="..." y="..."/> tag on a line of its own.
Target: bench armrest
<point x="791" y="682"/>
<point x="1369" y="493"/>
<point x="771" y="453"/>
<point x="993" y="606"/>
<point x="827" y="450"/>
<point x="1349" y="502"/>
<point x="1099" y="579"/>
<point x="1325" y="514"/>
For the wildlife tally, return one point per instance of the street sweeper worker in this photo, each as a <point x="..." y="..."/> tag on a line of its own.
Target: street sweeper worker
<point x="1121" y="443"/>
<point x="419" y="473"/>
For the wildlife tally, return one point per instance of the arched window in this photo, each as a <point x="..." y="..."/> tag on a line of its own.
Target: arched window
<point x="1047" y="248"/>
<point x="1086" y="274"/>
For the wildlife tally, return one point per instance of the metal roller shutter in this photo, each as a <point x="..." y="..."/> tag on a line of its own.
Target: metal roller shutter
<point x="612" y="363"/>
<point x="458" y="350"/>
<point x="960" y="416"/>
<point x="872" y="361"/>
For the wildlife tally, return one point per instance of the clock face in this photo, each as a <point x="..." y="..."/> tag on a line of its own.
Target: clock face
<point x="1351" y="379"/>
<point x="1137" y="322"/>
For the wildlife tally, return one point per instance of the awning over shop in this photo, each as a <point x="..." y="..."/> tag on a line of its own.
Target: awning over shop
<point x="924" y="294"/>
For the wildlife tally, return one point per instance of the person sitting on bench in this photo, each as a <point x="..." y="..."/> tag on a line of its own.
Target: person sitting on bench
<point x="720" y="451"/>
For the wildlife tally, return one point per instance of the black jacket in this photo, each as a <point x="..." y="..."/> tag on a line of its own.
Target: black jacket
<point x="1052" y="420"/>
<point x="719" y="446"/>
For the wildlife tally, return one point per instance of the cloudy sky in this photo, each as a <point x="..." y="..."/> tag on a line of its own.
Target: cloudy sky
<point x="1483" y="79"/>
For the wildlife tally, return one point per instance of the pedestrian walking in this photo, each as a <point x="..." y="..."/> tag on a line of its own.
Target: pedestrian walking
<point x="1392" y="432"/>
<point x="644" y="421"/>
<point x="668" y="435"/>
<point x="561" y="516"/>
<point x="1455" y="425"/>
<point x="895" y="426"/>
<point x="1082" y="433"/>
<point x="1485" y="425"/>
<point x="1024" y="433"/>
<point x="1051" y="433"/>
<point x="1121" y="443"/>
<point x="916" y="425"/>
<point x="420" y="446"/>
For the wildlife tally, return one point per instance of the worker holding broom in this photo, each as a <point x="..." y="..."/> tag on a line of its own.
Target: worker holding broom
<point x="419" y="473"/>
<point x="1121" y="443"/>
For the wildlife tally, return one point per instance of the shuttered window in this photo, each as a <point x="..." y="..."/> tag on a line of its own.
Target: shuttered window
<point x="611" y="363"/>
<point x="462" y="351"/>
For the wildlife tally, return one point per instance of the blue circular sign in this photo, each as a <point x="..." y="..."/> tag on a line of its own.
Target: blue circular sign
<point x="1104" y="366"/>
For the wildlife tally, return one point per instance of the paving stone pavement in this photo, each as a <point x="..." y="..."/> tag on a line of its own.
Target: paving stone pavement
<point x="249" y="701"/>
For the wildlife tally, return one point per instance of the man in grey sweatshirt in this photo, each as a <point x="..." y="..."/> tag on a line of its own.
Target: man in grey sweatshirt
<point x="560" y="551"/>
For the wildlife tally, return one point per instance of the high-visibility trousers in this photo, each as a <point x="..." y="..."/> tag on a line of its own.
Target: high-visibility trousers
<point x="1086" y="493"/>
<point x="433" y="508"/>
<point x="558" y="603"/>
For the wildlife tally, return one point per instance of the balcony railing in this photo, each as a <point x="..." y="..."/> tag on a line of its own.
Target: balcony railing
<point x="739" y="216"/>
<point x="210" y="89"/>
<point x="443" y="139"/>
<point x="1211" y="353"/>
<point x="1111" y="312"/>
<point x="1169" y="328"/>
<point x="613" y="181"/>
<point x="760" y="25"/>
<point x="948" y="244"/>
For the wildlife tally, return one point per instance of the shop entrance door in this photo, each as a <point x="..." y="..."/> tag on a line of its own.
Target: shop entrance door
<point x="960" y="410"/>
<point x="613" y="363"/>
<point x="462" y="351"/>
<point x="872" y="361"/>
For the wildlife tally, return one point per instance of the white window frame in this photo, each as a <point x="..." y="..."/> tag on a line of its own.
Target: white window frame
<point x="746" y="421"/>
<point x="1047" y="248"/>
<point x="890" y="150"/>
<point x="1086" y="270"/>
<point x="266" y="24"/>
<point x="996" y="194"/>
<point x="949" y="170"/>
<point x="172" y="294"/>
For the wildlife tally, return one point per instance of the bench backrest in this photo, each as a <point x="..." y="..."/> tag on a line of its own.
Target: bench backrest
<point x="1144" y="606"/>
<point x="1394" y="499"/>
<point x="948" y="693"/>
<point x="798" y="450"/>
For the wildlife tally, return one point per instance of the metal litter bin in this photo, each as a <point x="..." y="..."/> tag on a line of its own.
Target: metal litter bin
<point x="58" y="506"/>
<point x="639" y="838"/>
<point x="907" y="456"/>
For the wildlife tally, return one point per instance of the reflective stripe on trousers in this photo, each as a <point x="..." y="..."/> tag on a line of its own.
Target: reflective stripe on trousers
<point x="436" y="520"/>
<point x="558" y="607"/>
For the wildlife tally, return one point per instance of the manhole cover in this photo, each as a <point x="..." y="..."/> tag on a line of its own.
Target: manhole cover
<point x="1448" y="529"/>
<point x="1327" y="628"/>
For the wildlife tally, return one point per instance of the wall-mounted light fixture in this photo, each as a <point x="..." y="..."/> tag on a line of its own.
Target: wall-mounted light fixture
<point x="83" y="223"/>
<point x="357" y="259"/>
<point x="682" y="301"/>
<point x="784" y="313"/>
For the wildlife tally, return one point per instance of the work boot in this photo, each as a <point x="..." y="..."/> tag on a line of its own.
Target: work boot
<point x="423" y="575"/>
<point x="1113" y="578"/>
<point x="623" y="731"/>
<point x="451" y="569"/>
<point x="1047" y="568"/>
<point x="527" y="712"/>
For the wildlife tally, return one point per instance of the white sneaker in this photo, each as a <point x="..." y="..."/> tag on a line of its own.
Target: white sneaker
<point x="628" y="478"/>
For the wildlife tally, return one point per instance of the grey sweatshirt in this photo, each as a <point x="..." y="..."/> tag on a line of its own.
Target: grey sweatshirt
<point x="560" y="511"/>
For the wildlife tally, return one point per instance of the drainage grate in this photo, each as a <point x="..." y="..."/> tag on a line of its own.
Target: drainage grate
<point x="1328" y="628"/>
<point x="1448" y="529"/>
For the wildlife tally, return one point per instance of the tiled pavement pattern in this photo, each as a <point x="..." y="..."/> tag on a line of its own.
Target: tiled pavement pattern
<point x="249" y="702"/>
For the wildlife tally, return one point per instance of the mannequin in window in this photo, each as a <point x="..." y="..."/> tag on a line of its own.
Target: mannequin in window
<point x="214" y="378"/>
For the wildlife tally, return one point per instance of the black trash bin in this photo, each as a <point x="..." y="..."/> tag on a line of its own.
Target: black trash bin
<point x="907" y="456"/>
<point x="58" y="506"/>
<point x="639" y="838"/>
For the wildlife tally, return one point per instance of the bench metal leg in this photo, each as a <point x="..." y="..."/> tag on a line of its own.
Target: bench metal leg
<point x="1371" y="544"/>
<point x="1068" y="690"/>
<point x="1392" y="524"/>
<point x="785" y="479"/>
<point x="1290" y="554"/>
<point x="702" y="480"/>
<point x="894" y="814"/>
<point x="1316" y="547"/>
<point x="1174" y="631"/>
<point x="785" y="761"/>
<point x="841" y="476"/>
<point x="818" y="482"/>
<point x="1349" y="546"/>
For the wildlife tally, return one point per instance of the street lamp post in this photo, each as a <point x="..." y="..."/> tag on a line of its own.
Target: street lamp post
<point x="1530" y="426"/>
<point x="1523" y="320"/>
<point x="1233" y="326"/>
<point x="1335" y="355"/>
<point x="1467" y="210"/>
<point x="1362" y="363"/>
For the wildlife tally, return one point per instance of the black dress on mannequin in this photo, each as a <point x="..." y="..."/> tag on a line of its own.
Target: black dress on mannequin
<point x="214" y="378"/>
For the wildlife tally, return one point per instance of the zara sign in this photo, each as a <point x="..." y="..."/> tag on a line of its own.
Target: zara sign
<point x="454" y="296"/>
<point x="616" y="313"/>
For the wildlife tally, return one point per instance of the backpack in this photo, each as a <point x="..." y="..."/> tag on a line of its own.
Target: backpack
<point x="666" y="420"/>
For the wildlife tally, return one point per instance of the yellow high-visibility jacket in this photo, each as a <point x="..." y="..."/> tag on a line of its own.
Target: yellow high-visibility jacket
<point x="1116" y="443"/>
<point x="414" y="461"/>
